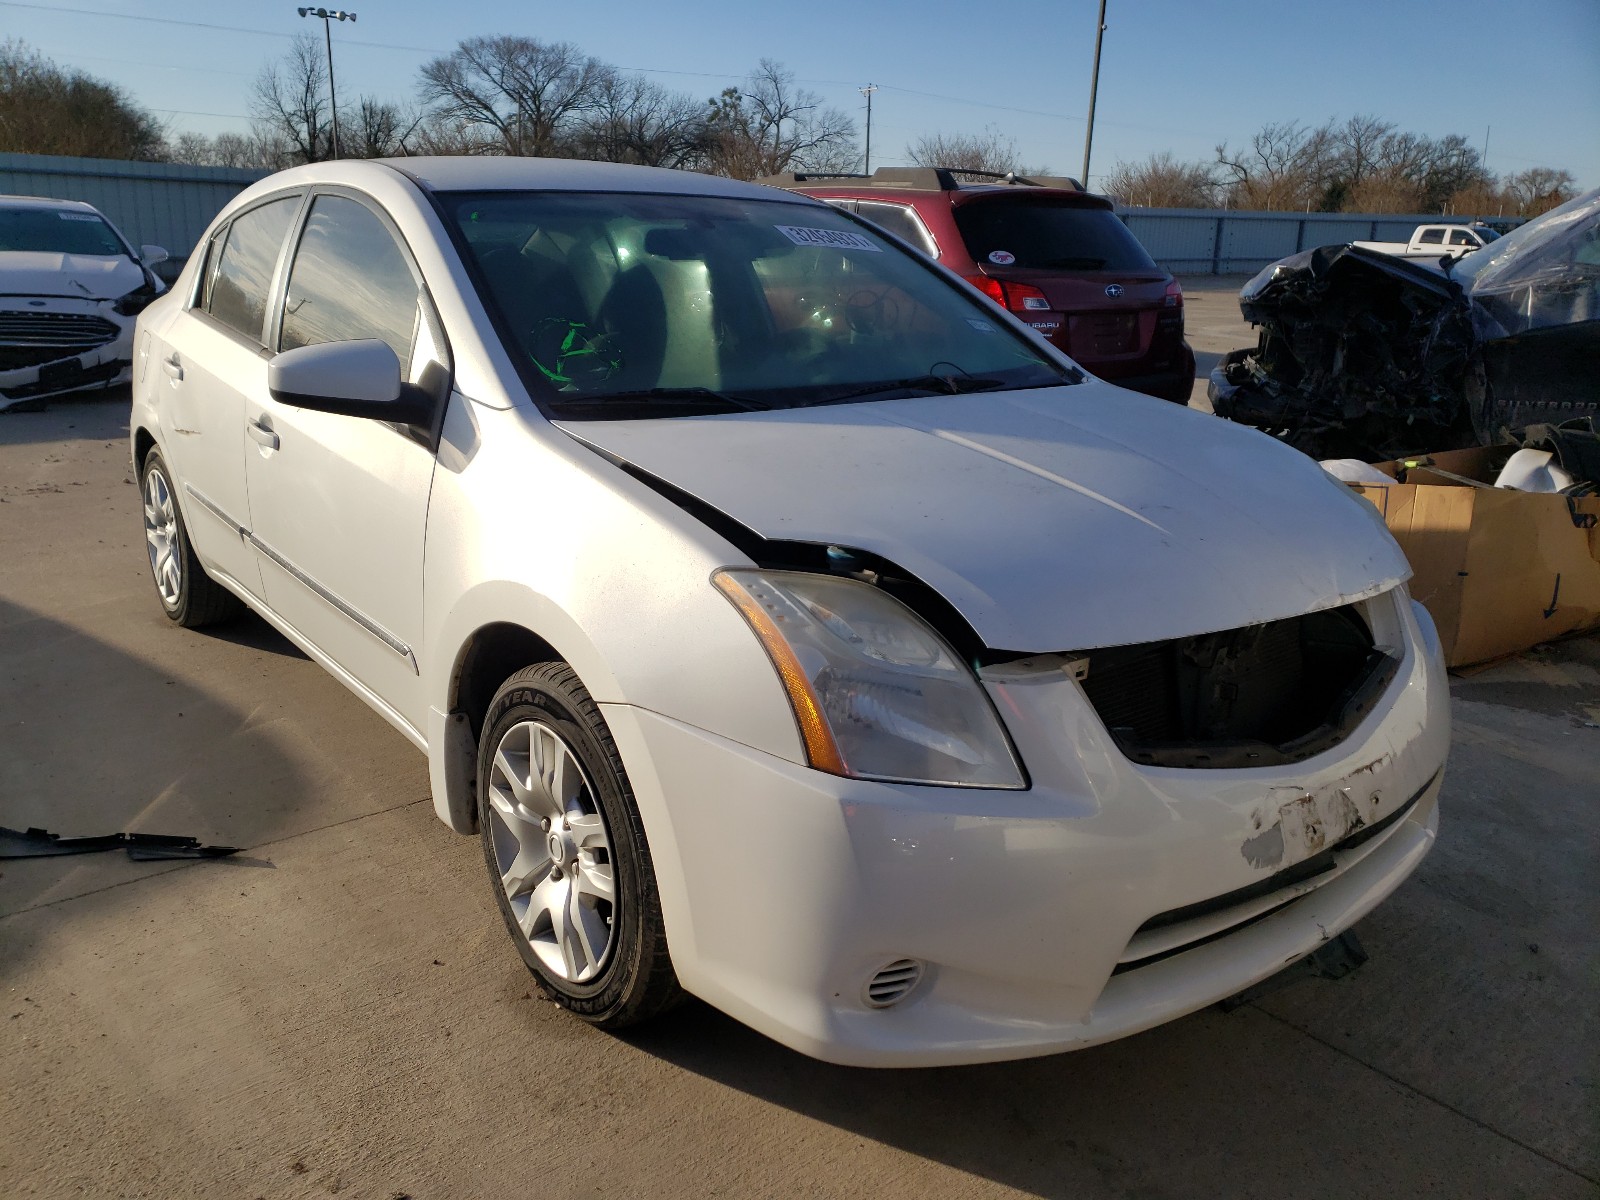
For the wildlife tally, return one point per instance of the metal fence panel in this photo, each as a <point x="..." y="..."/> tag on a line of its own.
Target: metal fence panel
<point x="170" y="204"/>
<point x="1221" y="242"/>
<point x="165" y="204"/>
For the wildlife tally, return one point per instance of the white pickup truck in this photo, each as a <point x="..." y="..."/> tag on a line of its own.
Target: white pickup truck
<point x="1435" y="241"/>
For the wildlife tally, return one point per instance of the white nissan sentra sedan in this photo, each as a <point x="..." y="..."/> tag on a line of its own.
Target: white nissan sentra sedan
<point x="796" y="629"/>
<point x="70" y="289"/>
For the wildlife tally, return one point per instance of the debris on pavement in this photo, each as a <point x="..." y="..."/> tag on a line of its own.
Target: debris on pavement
<point x="41" y="843"/>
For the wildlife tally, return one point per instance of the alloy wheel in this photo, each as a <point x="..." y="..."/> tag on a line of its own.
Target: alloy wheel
<point x="161" y="536"/>
<point x="553" y="851"/>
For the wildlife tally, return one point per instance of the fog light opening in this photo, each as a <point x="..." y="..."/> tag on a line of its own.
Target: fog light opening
<point x="892" y="983"/>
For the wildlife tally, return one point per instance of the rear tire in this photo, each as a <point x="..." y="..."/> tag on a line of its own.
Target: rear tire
<point x="188" y="595"/>
<point x="566" y="852"/>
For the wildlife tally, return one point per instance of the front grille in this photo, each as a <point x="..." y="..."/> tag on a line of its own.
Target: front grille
<point x="67" y="333"/>
<point x="1261" y="695"/>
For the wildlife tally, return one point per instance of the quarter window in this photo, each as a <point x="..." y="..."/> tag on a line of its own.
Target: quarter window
<point x="897" y="219"/>
<point x="237" y="294"/>
<point x="350" y="281"/>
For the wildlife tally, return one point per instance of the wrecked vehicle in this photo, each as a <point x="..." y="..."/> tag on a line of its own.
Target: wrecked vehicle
<point x="1363" y="355"/>
<point x="70" y="290"/>
<point x="793" y="627"/>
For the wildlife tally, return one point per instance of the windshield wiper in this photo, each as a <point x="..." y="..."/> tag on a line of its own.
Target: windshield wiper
<point x="949" y="385"/>
<point x="695" y="397"/>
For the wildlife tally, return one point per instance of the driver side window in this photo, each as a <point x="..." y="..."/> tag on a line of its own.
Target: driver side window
<point x="350" y="281"/>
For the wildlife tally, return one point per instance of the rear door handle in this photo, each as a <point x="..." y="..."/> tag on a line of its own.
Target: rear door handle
<point x="172" y="366"/>
<point x="261" y="435"/>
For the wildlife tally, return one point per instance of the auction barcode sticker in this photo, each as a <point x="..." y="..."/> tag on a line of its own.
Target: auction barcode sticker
<point x="839" y="239"/>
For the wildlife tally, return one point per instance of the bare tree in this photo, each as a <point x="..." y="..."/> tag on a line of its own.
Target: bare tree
<point x="986" y="151"/>
<point x="1161" y="181"/>
<point x="638" y="121"/>
<point x="1286" y="166"/>
<point x="770" y="125"/>
<point x="289" y="102"/>
<point x="528" y="94"/>
<point x="45" y="109"/>
<point x="1539" y="189"/>
<point x="373" y="129"/>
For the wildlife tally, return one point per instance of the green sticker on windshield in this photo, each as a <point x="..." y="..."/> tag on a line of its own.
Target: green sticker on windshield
<point x="575" y="353"/>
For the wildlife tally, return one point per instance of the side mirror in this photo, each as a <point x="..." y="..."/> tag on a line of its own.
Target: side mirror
<point x="352" y="379"/>
<point x="151" y="255"/>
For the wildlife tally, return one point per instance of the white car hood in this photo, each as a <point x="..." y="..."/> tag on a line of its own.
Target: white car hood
<point x="81" y="276"/>
<point x="1058" y="519"/>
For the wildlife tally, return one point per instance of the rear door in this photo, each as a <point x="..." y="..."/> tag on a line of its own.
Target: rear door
<point x="339" y="504"/>
<point x="212" y="357"/>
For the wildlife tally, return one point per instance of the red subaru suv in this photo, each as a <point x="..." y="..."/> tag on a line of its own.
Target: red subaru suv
<point x="1044" y="248"/>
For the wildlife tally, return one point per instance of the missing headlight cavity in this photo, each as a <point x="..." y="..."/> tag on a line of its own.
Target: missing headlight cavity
<point x="1261" y="695"/>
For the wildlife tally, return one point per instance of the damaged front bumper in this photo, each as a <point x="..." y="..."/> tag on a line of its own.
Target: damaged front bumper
<point x="1108" y="898"/>
<point x="53" y="346"/>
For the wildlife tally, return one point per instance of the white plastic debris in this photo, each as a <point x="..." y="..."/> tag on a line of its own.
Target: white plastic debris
<point x="1532" y="471"/>
<point x="1353" y="470"/>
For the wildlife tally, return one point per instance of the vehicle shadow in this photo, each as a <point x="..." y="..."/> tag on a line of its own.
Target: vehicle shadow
<point x="252" y="632"/>
<point x="1157" y="1115"/>
<point x="100" y="740"/>
<point x="89" y="416"/>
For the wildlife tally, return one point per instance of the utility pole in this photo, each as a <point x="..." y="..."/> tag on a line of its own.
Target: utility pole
<point x="328" y="15"/>
<point x="867" y="92"/>
<point x="1094" y="86"/>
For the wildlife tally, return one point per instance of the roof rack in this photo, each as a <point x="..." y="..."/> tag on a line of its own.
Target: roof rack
<point x="930" y="179"/>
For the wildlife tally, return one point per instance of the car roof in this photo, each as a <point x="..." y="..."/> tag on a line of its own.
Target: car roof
<point x="46" y="202"/>
<point x="497" y="173"/>
<point x="958" y="185"/>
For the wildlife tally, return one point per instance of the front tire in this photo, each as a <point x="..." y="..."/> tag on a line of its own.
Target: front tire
<point x="188" y="595"/>
<point x="566" y="852"/>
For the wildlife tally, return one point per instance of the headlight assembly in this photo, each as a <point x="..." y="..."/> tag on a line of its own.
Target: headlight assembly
<point x="876" y="692"/>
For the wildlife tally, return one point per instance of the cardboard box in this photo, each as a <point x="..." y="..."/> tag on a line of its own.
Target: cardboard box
<point x="1499" y="570"/>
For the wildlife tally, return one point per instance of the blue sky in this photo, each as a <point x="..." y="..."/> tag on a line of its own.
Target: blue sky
<point x="1177" y="75"/>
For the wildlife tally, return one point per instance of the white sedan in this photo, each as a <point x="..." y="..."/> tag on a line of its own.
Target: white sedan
<point x="70" y="289"/>
<point x="795" y="628"/>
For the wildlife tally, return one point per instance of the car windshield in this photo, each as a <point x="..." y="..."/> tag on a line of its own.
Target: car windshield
<point x="1024" y="232"/>
<point x="625" y="304"/>
<point x="1546" y="272"/>
<point x="57" y="231"/>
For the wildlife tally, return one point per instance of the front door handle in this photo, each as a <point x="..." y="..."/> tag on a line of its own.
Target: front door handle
<point x="172" y="366"/>
<point x="261" y="435"/>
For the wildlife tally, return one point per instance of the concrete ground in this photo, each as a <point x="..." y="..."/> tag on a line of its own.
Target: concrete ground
<point x="337" y="1010"/>
<point x="1212" y="325"/>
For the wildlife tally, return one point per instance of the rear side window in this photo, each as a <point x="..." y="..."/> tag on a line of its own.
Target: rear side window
<point x="1063" y="237"/>
<point x="897" y="219"/>
<point x="237" y="294"/>
<point x="350" y="281"/>
<point x="1432" y="237"/>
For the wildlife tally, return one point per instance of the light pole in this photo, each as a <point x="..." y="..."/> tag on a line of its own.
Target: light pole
<point x="867" y="92"/>
<point x="1094" y="86"/>
<point x="338" y="14"/>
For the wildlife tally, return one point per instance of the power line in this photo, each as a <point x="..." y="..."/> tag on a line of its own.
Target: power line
<point x="434" y="50"/>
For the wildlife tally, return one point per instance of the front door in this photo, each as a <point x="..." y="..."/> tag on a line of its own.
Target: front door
<point x="339" y="504"/>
